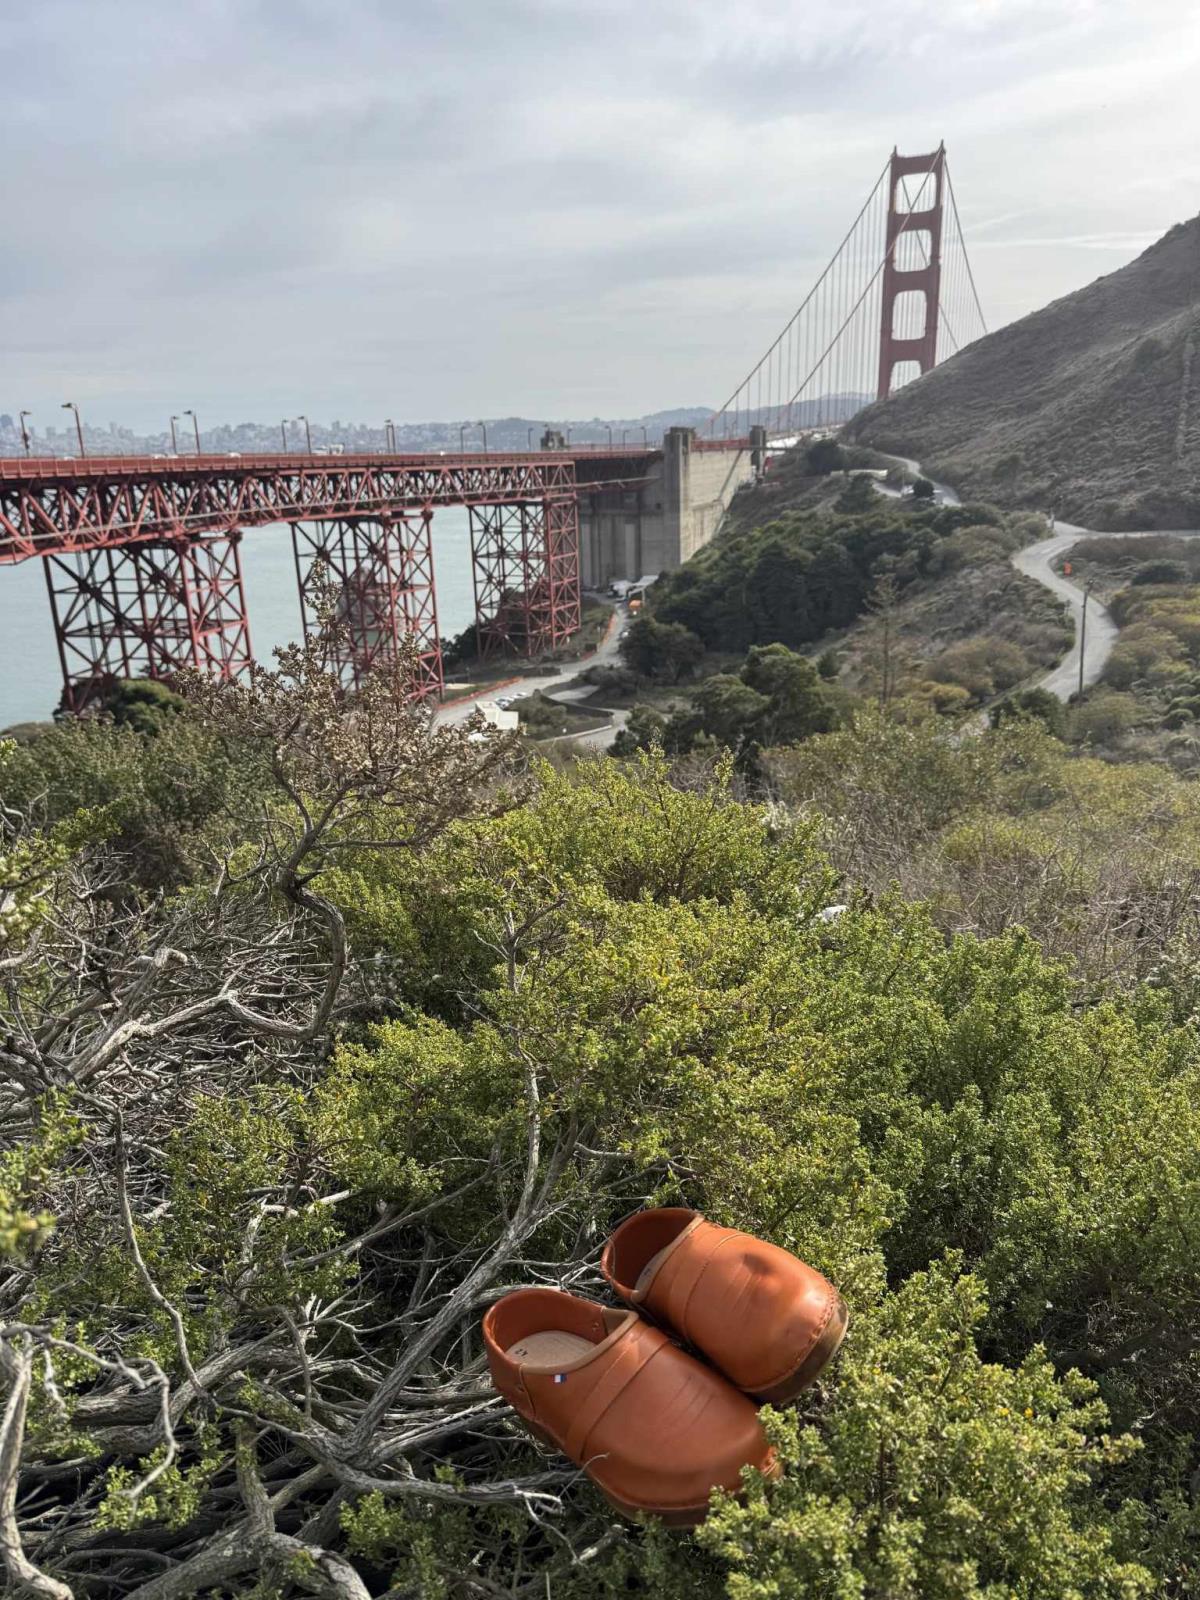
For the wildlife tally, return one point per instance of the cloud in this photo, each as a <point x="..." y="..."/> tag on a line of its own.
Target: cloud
<point x="532" y="205"/>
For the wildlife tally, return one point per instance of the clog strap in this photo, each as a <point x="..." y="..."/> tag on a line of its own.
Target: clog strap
<point x="690" y="1262"/>
<point x="632" y="1355"/>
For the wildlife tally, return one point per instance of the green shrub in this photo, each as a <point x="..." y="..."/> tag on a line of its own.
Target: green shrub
<point x="1102" y="718"/>
<point x="982" y="666"/>
<point x="1040" y="704"/>
<point x="1160" y="572"/>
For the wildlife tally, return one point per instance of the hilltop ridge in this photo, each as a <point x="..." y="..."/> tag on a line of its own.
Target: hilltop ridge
<point x="1089" y="407"/>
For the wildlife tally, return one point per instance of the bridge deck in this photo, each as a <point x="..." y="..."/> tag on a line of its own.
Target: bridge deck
<point x="52" y="506"/>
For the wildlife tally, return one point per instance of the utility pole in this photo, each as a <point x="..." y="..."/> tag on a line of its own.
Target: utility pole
<point x="283" y="433"/>
<point x="1083" y="633"/>
<point x="25" y="440"/>
<point x="195" y="428"/>
<point x="307" y="433"/>
<point x="174" y="440"/>
<point x="483" y="425"/>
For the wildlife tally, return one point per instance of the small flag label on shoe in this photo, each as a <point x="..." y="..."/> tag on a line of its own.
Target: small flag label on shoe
<point x="560" y="1377"/>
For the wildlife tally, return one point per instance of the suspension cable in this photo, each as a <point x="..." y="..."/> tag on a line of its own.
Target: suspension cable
<point x="963" y="242"/>
<point x="804" y="303"/>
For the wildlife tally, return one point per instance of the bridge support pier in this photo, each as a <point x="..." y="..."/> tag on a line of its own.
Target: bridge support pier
<point x="381" y="568"/>
<point x="525" y="561"/>
<point x="146" y="611"/>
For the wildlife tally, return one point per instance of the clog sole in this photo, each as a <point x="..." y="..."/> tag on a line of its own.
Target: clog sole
<point x="669" y="1516"/>
<point x="814" y="1363"/>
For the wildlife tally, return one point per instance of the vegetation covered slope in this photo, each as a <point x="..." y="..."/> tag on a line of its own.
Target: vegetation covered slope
<point x="912" y="601"/>
<point x="415" y="1030"/>
<point x="1089" y="408"/>
<point x="807" y="572"/>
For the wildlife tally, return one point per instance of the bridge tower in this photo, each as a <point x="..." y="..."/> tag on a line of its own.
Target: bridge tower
<point x="381" y="569"/>
<point x="926" y="227"/>
<point x="147" y="610"/>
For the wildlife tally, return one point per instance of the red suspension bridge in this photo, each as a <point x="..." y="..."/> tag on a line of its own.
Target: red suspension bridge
<point x="142" y="554"/>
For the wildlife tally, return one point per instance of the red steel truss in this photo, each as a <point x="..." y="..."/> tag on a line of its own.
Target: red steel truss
<point x="525" y="560"/>
<point x="145" y="611"/>
<point x="142" y="552"/>
<point x="49" y="506"/>
<point x="381" y="568"/>
<point x="927" y="279"/>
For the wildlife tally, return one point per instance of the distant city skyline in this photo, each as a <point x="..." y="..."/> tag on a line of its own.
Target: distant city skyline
<point x="510" y="432"/>
<point x="531" y="206"/>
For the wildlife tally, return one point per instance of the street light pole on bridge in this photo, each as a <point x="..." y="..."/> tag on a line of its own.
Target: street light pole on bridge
<point x="307" y="433"/>
<point x="195" y="427"/>
<point x="25" y="440"/>
<point x="69" y="405"/>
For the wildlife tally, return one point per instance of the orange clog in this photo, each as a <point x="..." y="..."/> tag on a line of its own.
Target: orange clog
<point x="765" y="1319"/>
<point x="654" y="1428"/>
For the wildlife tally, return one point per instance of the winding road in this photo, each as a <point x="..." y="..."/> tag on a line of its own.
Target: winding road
<point x="1037" y="561"/>
<point x="551" y="684"/>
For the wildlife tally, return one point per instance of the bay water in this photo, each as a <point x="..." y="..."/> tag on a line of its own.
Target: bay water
<point x="30" y="675"/>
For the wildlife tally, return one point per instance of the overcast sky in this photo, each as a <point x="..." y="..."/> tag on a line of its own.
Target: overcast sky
<point x="548" y="207"/>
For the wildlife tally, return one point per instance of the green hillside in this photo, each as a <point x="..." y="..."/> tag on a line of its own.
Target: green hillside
<point x="1089" y="408"/>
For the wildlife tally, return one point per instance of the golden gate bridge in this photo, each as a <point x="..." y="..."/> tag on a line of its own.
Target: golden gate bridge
<point x="141" y="554"/>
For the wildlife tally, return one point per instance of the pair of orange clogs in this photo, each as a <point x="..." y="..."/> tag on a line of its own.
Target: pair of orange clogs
<point x="656" y="1428"/>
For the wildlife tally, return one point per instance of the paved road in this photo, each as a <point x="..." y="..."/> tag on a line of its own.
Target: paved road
<point x="551" y="685"/>
<point x="1037" y="561"/>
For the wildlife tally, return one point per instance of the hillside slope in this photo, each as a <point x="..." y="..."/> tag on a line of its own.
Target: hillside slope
<point x="1089" y="408"/>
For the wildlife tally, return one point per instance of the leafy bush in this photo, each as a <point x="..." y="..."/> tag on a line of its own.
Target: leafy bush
<point x="1102" y="717"/>
<point x="661" y="650"/>
<point x="548" y="1010"/>
<point x="645" y="727"/>
<point x="824" y="456"/>
<point x="983" y="667"/>
<point x="807" y="573"/>
<point x="1047" y="708"/>
<point x="1160" y="572"/>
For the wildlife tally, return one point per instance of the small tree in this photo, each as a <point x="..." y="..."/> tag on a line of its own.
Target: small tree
<point x="824" y="456"/>
<point x="883" y="656"/>
<point x="857" y="497"/>
<point x="1036" y="703"/>
<point x="643" y="728"/>
<point x="666" y="651"/>
<point x="797" y="705"/>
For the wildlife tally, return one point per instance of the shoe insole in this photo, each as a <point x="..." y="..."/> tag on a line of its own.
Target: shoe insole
<point x="551" y="1348"/>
